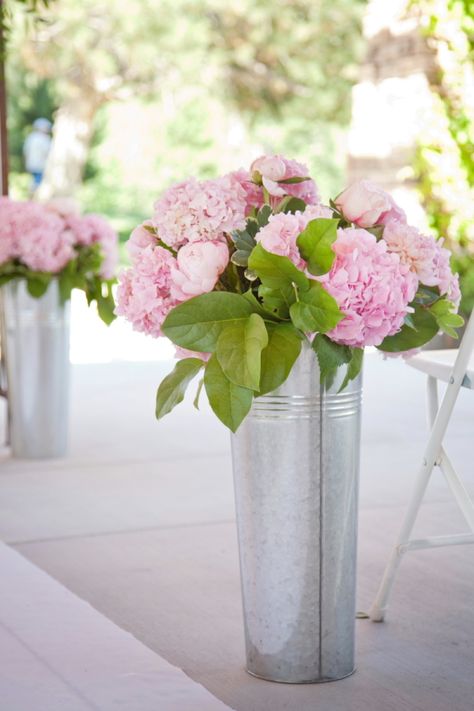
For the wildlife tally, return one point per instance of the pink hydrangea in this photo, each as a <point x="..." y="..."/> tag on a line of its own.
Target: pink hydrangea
<point x="34" y="235"/>
<point x="9" y="217"/>
<point x="193" y="211"/>
<point x="140" y="238"/>
<point x="273" y="168"/>
<point x="92" y="229"/>
<point x="371" y="286"/>
<point x="366" y="204"/>
<point x="424" y="255"/>
<point x="198" y="267"/>
<point x="280" y="234"/>
<point x="143" y="294"/>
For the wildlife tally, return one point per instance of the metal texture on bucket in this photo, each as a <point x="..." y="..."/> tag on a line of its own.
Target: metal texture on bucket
<point x="296" y="465"/>
<point x="37" y="362"/>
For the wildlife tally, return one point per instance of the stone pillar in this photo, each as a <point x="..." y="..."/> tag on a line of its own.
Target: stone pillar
<point x="392" y="103"/>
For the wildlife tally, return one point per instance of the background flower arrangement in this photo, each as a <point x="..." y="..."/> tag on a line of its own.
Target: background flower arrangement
<point x="240" y="270"/>
<point x="42" y="242"/>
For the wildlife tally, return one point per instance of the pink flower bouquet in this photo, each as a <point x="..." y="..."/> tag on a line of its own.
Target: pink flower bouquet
<point x="41" y="242"/>
<point x="240" y="270"/>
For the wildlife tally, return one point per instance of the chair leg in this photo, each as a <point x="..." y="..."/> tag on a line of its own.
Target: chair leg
<point x="379" y="606"/>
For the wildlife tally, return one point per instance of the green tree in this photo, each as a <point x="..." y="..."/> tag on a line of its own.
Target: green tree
<point x="288" y="65"/>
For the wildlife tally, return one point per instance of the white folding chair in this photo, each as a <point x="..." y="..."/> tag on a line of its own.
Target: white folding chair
<point x="456" y="368"/>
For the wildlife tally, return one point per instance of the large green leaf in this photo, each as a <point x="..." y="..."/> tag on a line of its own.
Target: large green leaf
<point x="279" y="356"/>
<point x="230" y="402"/>
<point x="196" y="324"/>
<point x="172" y="388"/>
<point x="316" y="310"/>
<point x="315" y="244"/>
<point x="331" y="356"/>
<point x="275" y="271"/>
<point x="408" y="338"/>
<point x="239" y="349"/>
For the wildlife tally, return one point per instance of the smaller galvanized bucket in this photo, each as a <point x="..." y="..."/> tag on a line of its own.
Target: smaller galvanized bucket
<point x="36" y="348"/>
<point x="296" y="466"/>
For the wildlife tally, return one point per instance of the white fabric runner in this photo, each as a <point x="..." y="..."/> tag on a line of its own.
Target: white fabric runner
<point x="59" y="654"/>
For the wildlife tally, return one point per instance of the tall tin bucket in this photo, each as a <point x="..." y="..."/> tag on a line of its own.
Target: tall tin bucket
<point x="296" y="466"/>
<point x="36" y="344"/>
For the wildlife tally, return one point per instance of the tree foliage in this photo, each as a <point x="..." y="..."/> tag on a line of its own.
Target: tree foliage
<point x="445" y="156"/>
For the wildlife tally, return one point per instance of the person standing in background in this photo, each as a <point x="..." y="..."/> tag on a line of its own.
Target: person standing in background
<point x="36" y="149"/>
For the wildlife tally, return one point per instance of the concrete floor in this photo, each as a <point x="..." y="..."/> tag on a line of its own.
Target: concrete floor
<point x="138" y="521"/>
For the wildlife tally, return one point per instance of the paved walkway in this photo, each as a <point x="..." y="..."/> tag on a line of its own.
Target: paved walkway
<point x="138" y="522"/>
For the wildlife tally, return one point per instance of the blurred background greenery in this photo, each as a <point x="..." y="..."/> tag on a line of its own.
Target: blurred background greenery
<point x="146" y="93"/>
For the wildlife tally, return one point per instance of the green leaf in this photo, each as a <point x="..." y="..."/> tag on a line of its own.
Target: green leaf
<point x="276" y="271"/>
<point x="445" y="314"/>
<point x="315" y="244"/>
<point x="291" y="204"/>
<point x="172" y="389"/>
<point x="427" y="295"/>
<point x="66" y="285"/>
<point x="106" y="308"/>
<point x="263" y="215"/>
<point x="278" y="301"/>
<point x="279" y="356"/>
<point x="354" y="367"/>
<point x="315" y="310"/>
<point x="239" y="349"/>
<point x="407" y="338"/>
<point x="197" y="324"/>
<point x="37" y="286"/>
<point x="243" y="239"/>
<point x="240" y="258"/>
<point x="331" y="356"/>
<point x="293" y="181"/>
<point x="198" y="394"/>
<point x="230" y="402"/>
<point x="376" y="230"/>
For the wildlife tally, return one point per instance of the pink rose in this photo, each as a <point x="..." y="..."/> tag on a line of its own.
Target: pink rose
<point x="199" y="265"/>
<point x="366" y="204"/>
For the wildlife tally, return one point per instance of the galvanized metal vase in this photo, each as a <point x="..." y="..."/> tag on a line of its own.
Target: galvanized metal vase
<point x="36" y="344"/>
<point x="296" y="465"/>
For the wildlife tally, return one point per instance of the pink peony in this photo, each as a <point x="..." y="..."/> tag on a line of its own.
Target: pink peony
<point x="371" y="286"/>
<point x="143" y="294"/>
<point x="280" y="234"/>
<point x="199" y="266"/>
<point x="366" y="204"/>
<point x="193" y="211"/>
<point x="276" y="167"/>
<point x="424" y="255"/>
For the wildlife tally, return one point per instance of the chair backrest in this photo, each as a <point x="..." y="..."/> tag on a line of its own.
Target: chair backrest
<point x="465" y="350"/>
